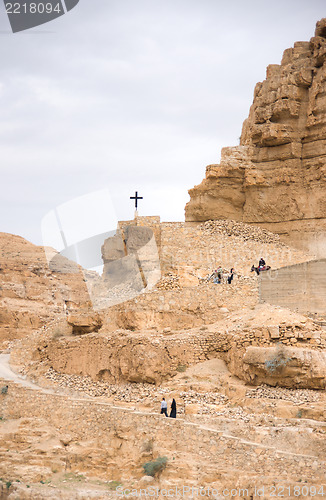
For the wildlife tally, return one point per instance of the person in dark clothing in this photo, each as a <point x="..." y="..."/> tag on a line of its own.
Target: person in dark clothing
<point x="230" y="277"/>
<point x="262" y="263"/>
<point x="173" y="413"/>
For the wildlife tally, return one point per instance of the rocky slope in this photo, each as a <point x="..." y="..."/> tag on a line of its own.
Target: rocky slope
<point x="81" y="414"/>
<point x="276" y="177"/>
<point x="31" y="293"/>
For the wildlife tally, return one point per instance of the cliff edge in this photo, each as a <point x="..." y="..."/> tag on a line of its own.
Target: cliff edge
<point x="276" y="177"/>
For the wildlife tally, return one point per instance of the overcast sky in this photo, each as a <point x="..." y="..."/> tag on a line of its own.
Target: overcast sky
<point x="131" y="95"/>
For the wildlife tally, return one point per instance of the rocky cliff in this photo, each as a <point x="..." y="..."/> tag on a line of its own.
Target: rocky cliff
<point x="32" y="295"/>
<point x="276" y="177"/>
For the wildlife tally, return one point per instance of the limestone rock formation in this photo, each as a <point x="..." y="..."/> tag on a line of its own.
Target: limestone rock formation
<point x="31" y="294"/>
<point x="131" y="258"/>
<point x="276" y="177"/>
<point x="285" y="366"/>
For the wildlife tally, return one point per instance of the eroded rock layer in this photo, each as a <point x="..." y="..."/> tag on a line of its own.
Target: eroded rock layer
<point x="276" y="177"/>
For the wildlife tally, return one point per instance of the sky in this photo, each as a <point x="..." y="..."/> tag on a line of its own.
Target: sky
<point x="125" y="95"/>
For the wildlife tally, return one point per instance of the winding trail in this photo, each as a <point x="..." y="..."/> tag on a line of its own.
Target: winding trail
<point x="7" y="373"/>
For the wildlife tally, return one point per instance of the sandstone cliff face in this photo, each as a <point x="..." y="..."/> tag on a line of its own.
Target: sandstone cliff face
<point x="31" y="294"/>
<point x="276" y="177"/>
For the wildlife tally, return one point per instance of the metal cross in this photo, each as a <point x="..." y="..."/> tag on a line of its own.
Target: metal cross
<point x="136" y="198"/>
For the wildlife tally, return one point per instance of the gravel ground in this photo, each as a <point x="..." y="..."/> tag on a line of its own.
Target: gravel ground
<point x="296" y="396"/>
<point x="239" y="229"/>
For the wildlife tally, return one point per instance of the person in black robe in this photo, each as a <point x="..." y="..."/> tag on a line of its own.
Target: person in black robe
<point x="230" y="277"/>
<point x="173" y="413"/>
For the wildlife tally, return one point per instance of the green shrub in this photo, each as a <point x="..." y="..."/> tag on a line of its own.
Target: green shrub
<point x="181" y="368"/>
<point x="8" y="484"/>
<point x="152" y="468"/>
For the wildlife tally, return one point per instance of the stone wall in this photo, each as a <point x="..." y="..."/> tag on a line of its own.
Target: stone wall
<point x="301" y="287"/>
<point x="185" y="308"/>
<point x="144" y="357"/>
<point x="194" y="248"/>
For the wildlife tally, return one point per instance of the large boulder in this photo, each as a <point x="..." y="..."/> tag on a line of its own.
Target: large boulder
<point x="285" y="367"/>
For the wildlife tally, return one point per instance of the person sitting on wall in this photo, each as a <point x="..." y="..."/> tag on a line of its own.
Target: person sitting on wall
<point x="262" y="263"/>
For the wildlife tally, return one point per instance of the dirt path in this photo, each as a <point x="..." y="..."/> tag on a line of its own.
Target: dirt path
<point x="6" y="373"/>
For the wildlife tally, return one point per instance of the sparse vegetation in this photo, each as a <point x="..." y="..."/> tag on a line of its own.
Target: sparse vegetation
<point x="8" y="484"/>
<point x="113" y="485"/>
<point x="75" y="477"/>
<point x="155" y="467"/>
<point x="181" y="368"/>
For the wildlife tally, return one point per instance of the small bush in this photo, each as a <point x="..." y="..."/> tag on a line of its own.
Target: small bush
<point x="181" y="368"/>
<point x="8" y="484"/>
<point x="278" y="361"/>
<point x="299" y="414"/>
<point x="152" y="468"/>
<point x="113" y="485"/>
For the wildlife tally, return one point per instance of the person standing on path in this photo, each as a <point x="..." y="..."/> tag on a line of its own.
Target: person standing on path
<point x="173" y="413"/>
<point x="230" y="277"/>
<point x="164" y="407"/>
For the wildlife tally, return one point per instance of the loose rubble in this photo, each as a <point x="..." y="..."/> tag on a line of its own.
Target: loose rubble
<point x="296" y="396"/>
<point x="244" y="231"/>
<point x="129" y="393"/>
<point x="169" y="282"/>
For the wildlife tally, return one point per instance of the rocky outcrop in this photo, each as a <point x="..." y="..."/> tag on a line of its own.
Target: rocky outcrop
<point x="276" y="177"/>
<point x="131" y="265"/>
<point x="31" y="294"/>
<point x="285" y="367"/>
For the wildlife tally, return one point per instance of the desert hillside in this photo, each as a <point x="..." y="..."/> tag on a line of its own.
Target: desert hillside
<point x="82" y="384"/>
<point x="195" y="364"/>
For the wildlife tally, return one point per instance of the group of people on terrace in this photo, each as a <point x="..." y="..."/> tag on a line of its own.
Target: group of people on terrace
<point x="219" y="274"/>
